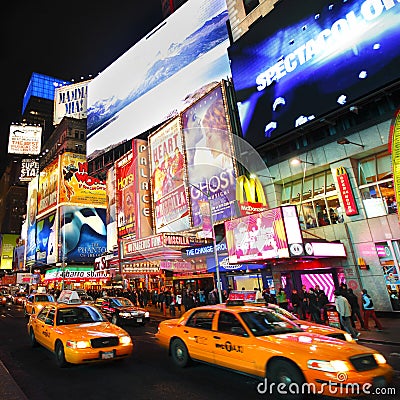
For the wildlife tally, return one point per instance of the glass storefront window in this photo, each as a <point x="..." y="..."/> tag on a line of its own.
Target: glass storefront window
<point x="376" y="185"/>
<point x="307" y="188"/>
<point x="390" y="269"/>
<point x="319" y="184"/>
<point x="309" y="215"/>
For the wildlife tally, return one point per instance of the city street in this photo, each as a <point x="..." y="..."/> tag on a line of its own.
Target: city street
<point x="149" y="374"/>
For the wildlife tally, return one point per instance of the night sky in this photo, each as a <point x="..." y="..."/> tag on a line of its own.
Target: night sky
<point x="67" y="40"/>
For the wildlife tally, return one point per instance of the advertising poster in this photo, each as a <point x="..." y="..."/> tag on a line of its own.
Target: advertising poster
<point x="154" y="77"/>
<point x="76" y="185"/>
<point x="395" y="150"/>
<point x="48" y="187"/>
<point x="125" y="196"/>
<point x="46" y="231"/>
<point x="167" y="164"/>
<point x="25" y="139"/>
<point x="111" y="216"/>
<point x="292" y="69"/>
<point x="31" y="212"/>
<point x="70" y="101"/>
<point x="82" y="234"/>
<point x="8" y="244"/>
<point x="209" y="154"/>
<point x="257" y="237"/>
<point x="29" y="169"/>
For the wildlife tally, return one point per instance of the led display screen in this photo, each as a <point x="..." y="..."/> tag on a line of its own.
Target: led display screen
<point x="154" y="78"/>
<point x="82" y="234"/>
<point x="31" y="212"/>
<point x="294" y="67"/>
<point x="46" y="247"/>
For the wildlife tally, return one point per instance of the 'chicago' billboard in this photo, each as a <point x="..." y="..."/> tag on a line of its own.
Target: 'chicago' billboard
<point x="294" y="67"/>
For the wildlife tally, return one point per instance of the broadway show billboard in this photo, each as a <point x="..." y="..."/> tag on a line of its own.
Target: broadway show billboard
<point x="167" y="165"/>
<point x="48" y="187"/>
<point x="321" y="57"/>
<point x="209" y="152"/>
<point x="46" y="233"/>
<point x="151" y="80"/>
<point x="76" y="185"/>
<point x="25" y="139"/>
<point x="8" y="243"/>
<point x="82" y="235"/>
<point x="70" y="101"/>
<point x="31" y="212"/>
<point x="132" y="190"/>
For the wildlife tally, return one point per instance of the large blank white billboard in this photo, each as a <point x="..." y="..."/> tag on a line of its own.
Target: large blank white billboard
<point x="158" y="75"/>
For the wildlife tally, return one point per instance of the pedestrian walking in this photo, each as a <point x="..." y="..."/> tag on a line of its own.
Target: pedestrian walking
<point x="355" y="308"/>
<point x="296" y="303"/>
<point x="344" y="310"/>
<point x="282" y="299"/>
<point x="369" y="311"/>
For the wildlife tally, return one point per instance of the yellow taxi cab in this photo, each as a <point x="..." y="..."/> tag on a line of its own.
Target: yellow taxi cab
<point x="260" y="343"/>
<point x="77" y="333"/>
<point x="308" y="326"/>
<point x="35" y="302"/>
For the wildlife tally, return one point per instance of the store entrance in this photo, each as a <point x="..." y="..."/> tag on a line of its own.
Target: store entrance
<point x="327" y="280"/>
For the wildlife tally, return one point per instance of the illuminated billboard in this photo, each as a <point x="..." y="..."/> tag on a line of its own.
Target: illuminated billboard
<point x="111" y="216"/>
<point x="48" y="187"/>
<point x="46" y="231"/>
<point x="8" y="243"/>
<point x="28" y="170"/>
<point x="31" y="212"/>
<point x="293" y="68"/>
<point x="24" y="139"/>
<point x="209" y="152"/>
<point x="271" y="234"/>
<point x="167" y="166"/>
<point x="76" y="185"/>
<point x="132" y="192"/>
<point x="152" y="80"/>
<point x="70" y="101"/>
<point x="82" y="234"/>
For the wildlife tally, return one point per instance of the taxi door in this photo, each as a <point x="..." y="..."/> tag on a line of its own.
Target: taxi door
<point x="198" y="336"/>
<point x="40" y="327"/>
<point x="232" y="344"/>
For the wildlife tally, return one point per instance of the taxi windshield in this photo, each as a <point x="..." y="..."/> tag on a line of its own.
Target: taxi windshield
<point x="43" y="297"/>
<point x="78" y="315"/>
<point x="262" y="323"/>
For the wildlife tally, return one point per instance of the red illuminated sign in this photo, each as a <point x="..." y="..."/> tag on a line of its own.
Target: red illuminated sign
<point x="346" y="192"/>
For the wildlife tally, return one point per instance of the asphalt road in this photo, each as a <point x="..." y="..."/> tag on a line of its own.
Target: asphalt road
<point x="148" y="374"/>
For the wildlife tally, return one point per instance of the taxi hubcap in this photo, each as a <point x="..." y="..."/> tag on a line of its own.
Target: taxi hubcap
<point x="179" y="352"/>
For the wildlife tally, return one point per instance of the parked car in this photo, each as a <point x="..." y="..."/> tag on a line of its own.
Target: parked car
<point x="35" y="302"/>
<point x="120" y="310"/>
<point x="259" y="342"/>
<point x="77" y="333"/>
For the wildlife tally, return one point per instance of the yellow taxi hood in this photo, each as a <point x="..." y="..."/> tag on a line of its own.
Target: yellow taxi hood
<point x="318" y="328"/>
<point x="95" y="329"/>
<point x="317" y="346"/>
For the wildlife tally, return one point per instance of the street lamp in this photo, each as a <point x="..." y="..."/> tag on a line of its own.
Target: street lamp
<point x="207" y="196"/>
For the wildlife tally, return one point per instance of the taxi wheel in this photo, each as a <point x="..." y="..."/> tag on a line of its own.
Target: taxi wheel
<point x="282" y="371"/>
<point x="60" y="356"/>
<point x="34" y="343"/>
<point x="180" y="354"/>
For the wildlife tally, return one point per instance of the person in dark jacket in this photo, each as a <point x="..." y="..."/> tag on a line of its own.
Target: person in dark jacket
<point x="355" y="308"/>
<point x="296" y="303"/>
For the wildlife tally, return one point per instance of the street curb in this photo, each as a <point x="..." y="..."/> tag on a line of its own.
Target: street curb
<point x="387" y="342"/>
<point x="9" y="389"/>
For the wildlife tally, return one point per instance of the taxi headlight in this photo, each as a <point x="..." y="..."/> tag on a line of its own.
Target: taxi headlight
<point x="328" y="366"/>
<point x="146" y="314"/>
<point x="80" y="344"/>
<point x="125" y="339"/>
<point x="379" y="358"/>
